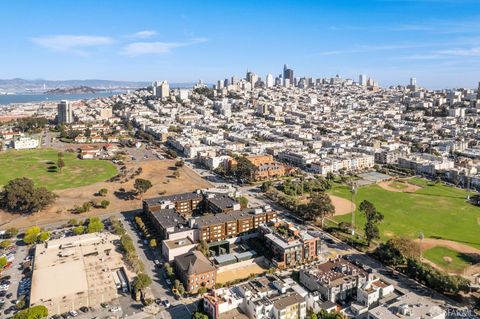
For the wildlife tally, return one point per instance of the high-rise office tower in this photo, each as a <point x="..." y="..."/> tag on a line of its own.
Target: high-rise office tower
<point x="64" y="113"/>
<point x="413" y="81"/>
<point x="252" y="78"/>
<point x="287" y="74"/>
<point x="269" y="81"/>
<point x="362" y="80"/>
<point x="478" y="91"/>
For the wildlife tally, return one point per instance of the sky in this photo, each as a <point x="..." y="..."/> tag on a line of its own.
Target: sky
<point x="435" y="41"/>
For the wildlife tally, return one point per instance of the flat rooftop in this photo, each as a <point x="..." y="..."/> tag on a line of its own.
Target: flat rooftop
<point x="72" y="266"/>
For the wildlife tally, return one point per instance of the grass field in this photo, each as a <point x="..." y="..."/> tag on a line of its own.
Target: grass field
<point x="436" y="210"/>
<point x="39" y="164"/>
<point x="448" y="259"/>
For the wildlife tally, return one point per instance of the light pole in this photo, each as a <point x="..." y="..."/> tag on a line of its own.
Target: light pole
<point x="353" y="191"/>
<point x="421" y="236"/>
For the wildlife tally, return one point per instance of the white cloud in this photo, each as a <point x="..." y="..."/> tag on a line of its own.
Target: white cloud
<point x="143" y="48"/>
<point x="72" y="43"/>
<point x="475" y="51"/>
<point x="145" y="34"/>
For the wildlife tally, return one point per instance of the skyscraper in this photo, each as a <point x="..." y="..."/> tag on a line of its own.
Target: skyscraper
<point x="287" y="74"/>
<point x="362" y="80"/>
<point x="269" y="81"/>
<point x="252" y="78"/>
<point x="413" y="81"/>
<point x="64" y="113"/>
<point x="478" y="91"/>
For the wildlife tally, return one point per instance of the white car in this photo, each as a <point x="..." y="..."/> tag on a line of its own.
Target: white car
<point x="115" y="309"/>
<point x="73" y="313"/>
<point x="166" y="303"/>
<point x="4" y="287"/>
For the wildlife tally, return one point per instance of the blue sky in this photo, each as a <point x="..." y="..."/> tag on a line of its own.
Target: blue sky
<point x="436" y="41"/>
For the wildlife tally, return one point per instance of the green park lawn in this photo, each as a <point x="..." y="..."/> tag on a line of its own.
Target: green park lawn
<point x="457" y="261"/>
<point x="40" y="166"/>
<point x="435" y="210"/>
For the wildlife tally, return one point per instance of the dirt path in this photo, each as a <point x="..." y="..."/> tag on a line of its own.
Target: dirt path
<point x="409" y="188"/>
<point x="342" y="206"/>
<point x="160" y="173"/>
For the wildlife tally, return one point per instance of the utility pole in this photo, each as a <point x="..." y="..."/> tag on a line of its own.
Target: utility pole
<point x="353" y="192"/>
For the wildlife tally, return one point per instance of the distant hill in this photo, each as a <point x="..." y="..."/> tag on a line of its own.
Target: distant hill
<point x="74" y="90"/>
<point x="19" y="85"/>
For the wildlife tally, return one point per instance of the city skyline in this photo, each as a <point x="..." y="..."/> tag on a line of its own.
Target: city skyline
<point x="388" y="40"/>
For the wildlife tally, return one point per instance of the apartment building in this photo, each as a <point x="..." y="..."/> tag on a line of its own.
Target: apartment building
<point x="336" y="280"/>
<point x="288" y="245"/>
<point x="266" y="167"/>
<point x="425" y="163"/>
<point x="232" y="224"/>
<point x="185" y="203"/>
<point x="347" y="162"/>
<point x="301" y="159"/>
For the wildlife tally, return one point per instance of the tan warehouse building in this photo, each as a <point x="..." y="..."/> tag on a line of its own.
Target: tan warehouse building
<point x="77" y="271"/>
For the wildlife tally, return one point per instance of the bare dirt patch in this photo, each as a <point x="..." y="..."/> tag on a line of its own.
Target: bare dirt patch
<point x="240" y="273"/>
<point x="159" y="172"/>
<point x="405" y="186"/>
<point x="342" y="206"/>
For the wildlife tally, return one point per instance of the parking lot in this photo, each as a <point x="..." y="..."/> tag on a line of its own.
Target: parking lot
<point x="15" y="280"/>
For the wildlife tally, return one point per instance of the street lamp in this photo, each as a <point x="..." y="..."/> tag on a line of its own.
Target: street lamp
<point x="421" y="236"/>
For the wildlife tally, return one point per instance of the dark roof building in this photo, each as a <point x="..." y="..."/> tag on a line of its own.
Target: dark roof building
<point x="195" y="271"/>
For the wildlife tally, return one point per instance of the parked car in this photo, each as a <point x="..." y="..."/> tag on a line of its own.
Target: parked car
<point x="115" y="309"/>
<point x="73" y="313"/>
<point x="166" y="303"/>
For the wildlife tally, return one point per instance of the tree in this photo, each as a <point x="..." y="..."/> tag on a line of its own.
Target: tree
<point x="200" y="315"/>
<point x="103" y="192"/>
<point x="104" y="203"/>
<point x="179" y="163"/>
<point x="11" y="232"/>
<point x="141" y="282"/>
<point x="371" y="232"/>
<point x="245" y="170"/>
<point x="20" y="195"/>
<point x="203" y="247"/>
<point x="73" y="222"/>
<point x="153" y="243"/>
<point x="373" y="217"/>
<point x="95" y="225"/>
<point x="202" y="290"/>
<point x="3" y="262"/>
<point x="31" y="235"/>
<point x="43" y="236"/>
<point x="78" y="230"/>
<point x="320" y="206"/>
<point x="178" y="286"/>
<point x="142" y="185"/>
<point x="5" y="243"/>
<point x="60" y="161"/>
<point x="35" y="312"/>
<point x="243" y="201"/>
